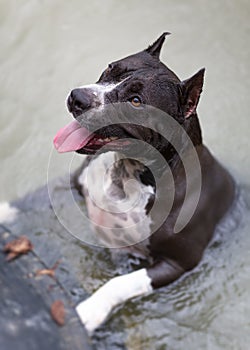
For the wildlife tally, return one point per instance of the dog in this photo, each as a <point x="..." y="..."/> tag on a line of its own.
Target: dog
<point x="137" y="81"/>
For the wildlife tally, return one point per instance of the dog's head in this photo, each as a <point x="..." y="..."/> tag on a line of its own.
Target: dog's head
<point x="138" y="80"/>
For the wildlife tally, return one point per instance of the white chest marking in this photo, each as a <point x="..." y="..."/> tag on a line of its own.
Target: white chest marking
<point x="116" y="207"/>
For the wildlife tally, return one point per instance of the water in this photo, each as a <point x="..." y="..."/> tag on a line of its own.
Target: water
<point x="47" y="48"/>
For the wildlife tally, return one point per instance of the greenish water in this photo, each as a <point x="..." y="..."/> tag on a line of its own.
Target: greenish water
<point x="47" y="48"/>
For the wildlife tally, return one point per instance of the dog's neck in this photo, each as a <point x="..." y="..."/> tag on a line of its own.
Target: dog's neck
<point x="192" y="128"/>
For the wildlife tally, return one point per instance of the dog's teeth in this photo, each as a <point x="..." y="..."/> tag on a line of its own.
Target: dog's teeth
<point x="108" y="139"/>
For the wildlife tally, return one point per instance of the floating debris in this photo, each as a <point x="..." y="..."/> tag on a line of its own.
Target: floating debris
<point x="17" y="247"/>
<point x="57" y="311"/>
<point x="49" y="272"/>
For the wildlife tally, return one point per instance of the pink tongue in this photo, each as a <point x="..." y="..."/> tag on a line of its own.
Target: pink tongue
<point x="71" y="138"/>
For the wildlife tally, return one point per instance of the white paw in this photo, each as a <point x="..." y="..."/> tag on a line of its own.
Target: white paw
<point x="93" y="312"/>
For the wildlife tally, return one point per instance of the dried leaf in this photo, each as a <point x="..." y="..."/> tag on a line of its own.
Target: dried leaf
<point x="49" y="272"/>
<point x="58" y="312"/>
<point x="21" y="245"/>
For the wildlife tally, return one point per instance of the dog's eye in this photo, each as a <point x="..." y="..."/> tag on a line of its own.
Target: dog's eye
<point x="136" y="102"/>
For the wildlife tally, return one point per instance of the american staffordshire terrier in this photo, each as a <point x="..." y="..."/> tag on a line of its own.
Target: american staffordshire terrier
<point x="138" y="81"/>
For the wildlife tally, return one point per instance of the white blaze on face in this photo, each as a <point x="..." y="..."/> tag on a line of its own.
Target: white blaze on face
<point x="100" y="90"/>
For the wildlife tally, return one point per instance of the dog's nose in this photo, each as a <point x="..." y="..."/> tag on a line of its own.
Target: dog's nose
<point x="79" y="101"/>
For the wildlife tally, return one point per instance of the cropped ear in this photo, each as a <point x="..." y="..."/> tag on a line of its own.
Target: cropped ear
<point x="155" y="48"/>
<point x="191" y="90"/>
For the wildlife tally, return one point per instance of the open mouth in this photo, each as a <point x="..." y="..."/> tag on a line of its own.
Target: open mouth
<point x="74" y="137"/>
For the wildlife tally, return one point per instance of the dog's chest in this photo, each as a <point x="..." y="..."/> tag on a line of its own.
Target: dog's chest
<point x="116" y="199"/>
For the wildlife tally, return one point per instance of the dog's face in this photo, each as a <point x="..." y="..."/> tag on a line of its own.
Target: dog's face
<point x="139" y="80"/>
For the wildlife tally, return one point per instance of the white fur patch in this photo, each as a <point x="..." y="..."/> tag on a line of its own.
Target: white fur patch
<point x="7" y="212"/>
<point x="106" y="210"/>
<point x="95" y="310"/>
<point x="99" y="90"/>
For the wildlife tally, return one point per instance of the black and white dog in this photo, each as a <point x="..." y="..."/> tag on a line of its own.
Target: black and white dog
<point x="138" y="81"/>
<point x="141" y="80"/>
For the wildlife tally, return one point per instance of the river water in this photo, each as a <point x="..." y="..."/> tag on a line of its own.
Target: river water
<point x="49" y="47"/>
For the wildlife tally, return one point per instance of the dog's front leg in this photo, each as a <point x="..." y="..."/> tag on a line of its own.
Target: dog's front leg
<point x="95" y="310"/>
